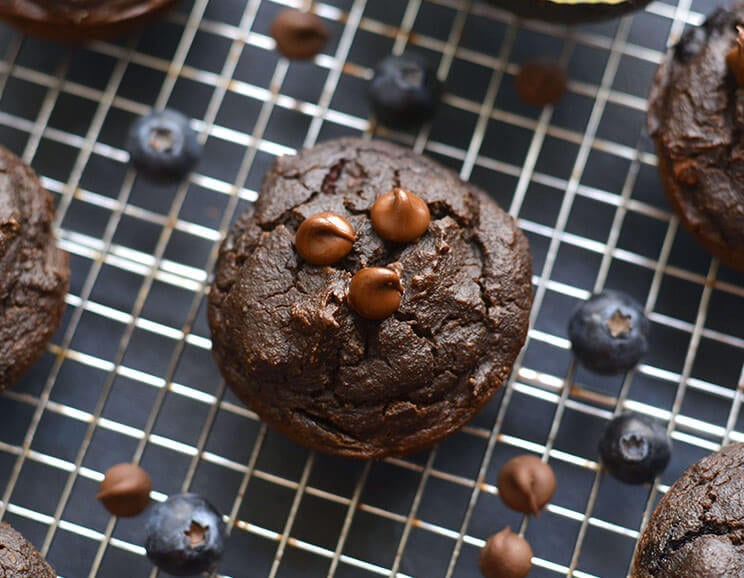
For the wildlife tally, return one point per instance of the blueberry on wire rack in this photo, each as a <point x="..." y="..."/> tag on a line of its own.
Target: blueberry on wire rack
<point x="634" y="448"/>
<point x="404" y="92"/>
<point x="609" y="333"/>
<point x="185" y="535"/>
<point x="163" y="146"/>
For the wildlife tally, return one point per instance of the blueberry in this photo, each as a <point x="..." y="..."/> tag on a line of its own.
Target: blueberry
<point x="609" y="333"/>
<point x="163" y="146"/>
<point x="404" y="91"/>
<point x="634" y="448"/>
<point x="185" y="535"/>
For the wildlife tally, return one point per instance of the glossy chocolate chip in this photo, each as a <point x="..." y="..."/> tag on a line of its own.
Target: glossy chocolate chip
<point x="375" y="292"/>
<point x="324" y="238"/>
<point x="125" y="490"/>
<point x="506" y="555"/>
<point x="400" y="216"/>
<point x="526" y="484"/>
<point x="299" y="35"/>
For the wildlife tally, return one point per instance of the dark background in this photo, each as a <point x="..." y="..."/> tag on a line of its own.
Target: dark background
<point x="129" y="376"/>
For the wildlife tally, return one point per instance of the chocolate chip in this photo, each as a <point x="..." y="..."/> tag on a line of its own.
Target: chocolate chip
<point x="506" y="555"/>
<point x="375" y="292"/>
<point x="540" y="82"/>
<point x="526" y="484"/>
<point x="125" y="490"/>
<point x="299" y="35"/>
<point x="324" y="238"/>
<point x="400" y="216"/>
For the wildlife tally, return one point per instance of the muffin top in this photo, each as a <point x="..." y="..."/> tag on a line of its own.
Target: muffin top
<point x="293" y="349"/>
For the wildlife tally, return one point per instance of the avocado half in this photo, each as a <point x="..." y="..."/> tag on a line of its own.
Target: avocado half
<point x="570" y="11"/>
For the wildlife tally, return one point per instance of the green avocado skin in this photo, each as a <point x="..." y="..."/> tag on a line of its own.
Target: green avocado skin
<point x="568" y="13"/>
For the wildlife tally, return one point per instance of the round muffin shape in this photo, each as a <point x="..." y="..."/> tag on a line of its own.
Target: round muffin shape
<point x="570" y="11"/>
<point x="696" y="116"/>
<point x="19" y="558"/>
<point x="293" y="350"/>
<point x="35" y="273"/>
<point x="80" y="20"/>
<point x="697" y="529"/>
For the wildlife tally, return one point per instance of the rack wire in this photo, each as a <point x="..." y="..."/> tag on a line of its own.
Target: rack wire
<point x="129" y="375"/>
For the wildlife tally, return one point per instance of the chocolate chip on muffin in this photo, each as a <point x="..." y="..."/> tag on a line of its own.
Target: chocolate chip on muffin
<point x="696" y="116"/>
<point x="697" y="529"/>
<point x="34" y="272"/>
<point x="394" y="345"/>
<point x="80" y="20"/>
<point x="19" y="558"/>
<point x="324" y="238"/>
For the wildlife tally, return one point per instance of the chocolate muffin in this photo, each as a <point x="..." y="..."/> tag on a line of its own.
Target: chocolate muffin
<point x="697" y="529"/>
<point x="35" y="273"/>
<point x="385" y="346"/>
<point x="80" y="20"/>
<point x="19" y="558"/>
<point x="696" y="117"/>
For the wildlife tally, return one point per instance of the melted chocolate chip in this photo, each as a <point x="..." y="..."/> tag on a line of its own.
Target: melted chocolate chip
<point x="506" y="555"/>
<point x="375" y="292"/>
<point x="324" y="238"/>
<point x="300" y="35"/>
<point x="526" y="484"/>
<point x="400" y="216"/>
<point x="125" y="490"/>
<point x="704" y="557"/>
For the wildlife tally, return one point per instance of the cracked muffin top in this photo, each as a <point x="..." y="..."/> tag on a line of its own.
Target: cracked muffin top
<point x="79" y="20"/>
<point x="697" y="529"/>
<point x="334" y="379"/>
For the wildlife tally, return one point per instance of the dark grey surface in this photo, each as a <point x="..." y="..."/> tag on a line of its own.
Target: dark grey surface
<point x="582" y="197"/>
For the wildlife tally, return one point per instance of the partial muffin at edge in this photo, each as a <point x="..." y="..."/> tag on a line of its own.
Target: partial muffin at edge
<point x="696" y="118"/>
<point x="80" y="20"/>
<point x="697" y="529"/>
<point x="292" y="349"/>
<point x="19" y="558"/>
<point x="35" y="273"/>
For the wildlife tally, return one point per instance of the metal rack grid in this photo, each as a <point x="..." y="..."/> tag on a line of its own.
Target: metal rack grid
<point x="129" y="375"/>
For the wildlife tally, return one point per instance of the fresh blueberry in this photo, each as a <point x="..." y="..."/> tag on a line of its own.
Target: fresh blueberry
<point x="405" y="91"/>
<point x="634" y="448"/>
<point x="163" y="145"/>
<point x="185" y="535"/>
<point x="609" y="333"/>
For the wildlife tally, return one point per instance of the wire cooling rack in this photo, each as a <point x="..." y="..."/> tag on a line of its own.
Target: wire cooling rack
<point x="129" y="376"/>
